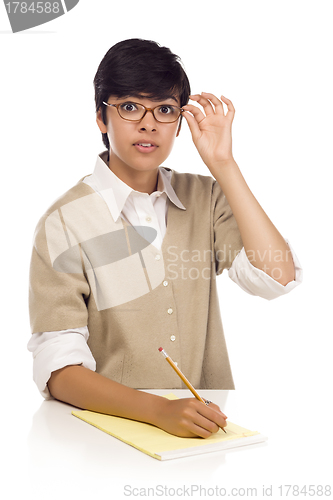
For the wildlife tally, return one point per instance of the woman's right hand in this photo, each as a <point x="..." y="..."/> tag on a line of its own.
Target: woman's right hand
<point x="189" y="417"/>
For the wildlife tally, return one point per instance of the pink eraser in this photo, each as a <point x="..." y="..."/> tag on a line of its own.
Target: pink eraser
<point x="160" y="349"/>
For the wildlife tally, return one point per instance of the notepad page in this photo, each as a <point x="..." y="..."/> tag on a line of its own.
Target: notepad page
<point x="154" y="441"/>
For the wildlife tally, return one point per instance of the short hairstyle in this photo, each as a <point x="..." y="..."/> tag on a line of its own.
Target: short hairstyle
<point x="139" y="67"/>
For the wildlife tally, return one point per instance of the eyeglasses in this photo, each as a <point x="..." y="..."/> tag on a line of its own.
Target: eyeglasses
<point x="133" y="111"/>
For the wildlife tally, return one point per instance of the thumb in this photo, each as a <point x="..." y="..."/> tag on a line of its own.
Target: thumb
<point x="193" y="125"/>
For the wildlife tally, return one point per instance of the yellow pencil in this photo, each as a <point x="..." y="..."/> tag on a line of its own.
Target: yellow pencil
<point x="182" y="376"/>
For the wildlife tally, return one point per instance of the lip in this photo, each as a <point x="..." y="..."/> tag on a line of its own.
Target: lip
<point x="145" y="149"/>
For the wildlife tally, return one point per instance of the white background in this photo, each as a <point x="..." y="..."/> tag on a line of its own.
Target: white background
<point x="273" y="59"/>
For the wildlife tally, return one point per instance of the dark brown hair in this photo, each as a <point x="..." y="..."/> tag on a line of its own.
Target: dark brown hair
<point x="138" y="67"/>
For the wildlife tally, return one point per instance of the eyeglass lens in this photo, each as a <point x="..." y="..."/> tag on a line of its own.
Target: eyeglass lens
<point x="134" y="111"/>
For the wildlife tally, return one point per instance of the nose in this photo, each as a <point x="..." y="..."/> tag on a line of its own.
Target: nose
<point x="148" y="122"/>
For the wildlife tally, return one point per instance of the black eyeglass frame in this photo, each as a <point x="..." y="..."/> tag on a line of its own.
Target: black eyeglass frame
<point x="146" y="110"/>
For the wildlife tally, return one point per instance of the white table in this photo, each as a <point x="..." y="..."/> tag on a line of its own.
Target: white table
<point x="70" y="459"/>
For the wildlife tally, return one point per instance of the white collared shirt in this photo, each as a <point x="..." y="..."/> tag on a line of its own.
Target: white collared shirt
<point x="138" y="209"/>
<point x="55" y="350"/>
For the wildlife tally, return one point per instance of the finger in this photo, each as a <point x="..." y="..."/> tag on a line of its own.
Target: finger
<point x="199" y="428"/>
<point x="193" y="124"/>
<point x="213" y="415"/>
<point x="217" y="103"/>
<point x="206" y="423"/>
<point x="208" y="107"/>
<point x="230" y="106"/>
<point x="195" y="112"/>
<point x="198" y="431"/>
<point x="217" y="408"/>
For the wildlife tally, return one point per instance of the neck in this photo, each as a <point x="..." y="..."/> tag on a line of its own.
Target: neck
<point x="144" y="181"/>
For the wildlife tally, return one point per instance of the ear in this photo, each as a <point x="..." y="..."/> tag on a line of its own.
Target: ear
<point x="100" y="123"/>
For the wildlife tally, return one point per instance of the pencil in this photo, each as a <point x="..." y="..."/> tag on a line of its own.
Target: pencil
<point x="182" y="376"/>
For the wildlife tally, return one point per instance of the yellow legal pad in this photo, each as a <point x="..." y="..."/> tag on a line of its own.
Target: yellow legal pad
<point x="164" y="446"/>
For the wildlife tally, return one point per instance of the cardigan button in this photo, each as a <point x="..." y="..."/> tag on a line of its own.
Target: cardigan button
<point x="172" y="338"/>
<point x="157" y="257"/>
<point x="170" y="311"/>
<point x="165" y="283"/>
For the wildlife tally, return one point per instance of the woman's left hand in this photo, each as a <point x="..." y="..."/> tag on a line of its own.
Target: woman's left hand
<point x="211" y="132"/>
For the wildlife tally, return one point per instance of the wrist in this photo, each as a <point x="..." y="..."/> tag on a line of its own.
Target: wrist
<point x="158" y="409"/>
<point x="223" y="170"/>
<point x="219" y="166"/>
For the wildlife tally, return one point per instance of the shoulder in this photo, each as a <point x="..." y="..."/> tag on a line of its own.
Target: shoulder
<point x="195" y="188"/>
<point x="78" y="191"/>
<point x="186" y="178"/>
<point x="185" y="181"/>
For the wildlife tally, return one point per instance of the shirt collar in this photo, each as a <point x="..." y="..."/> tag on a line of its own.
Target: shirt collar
<point x="165" y="179"/>
<point x="117" y="192"/>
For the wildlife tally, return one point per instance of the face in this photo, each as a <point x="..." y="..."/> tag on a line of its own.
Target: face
<point x="126" y="137"/>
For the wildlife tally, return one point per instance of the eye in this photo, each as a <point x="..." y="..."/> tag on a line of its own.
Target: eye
<point x="128" y="107"/>
<point x="166" y="110"/>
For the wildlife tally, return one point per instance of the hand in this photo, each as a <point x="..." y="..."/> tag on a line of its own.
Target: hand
<point x="211" y="132"/>
<point x="189" y="418"/>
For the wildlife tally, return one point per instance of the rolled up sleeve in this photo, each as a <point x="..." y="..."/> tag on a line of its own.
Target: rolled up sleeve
<point x="55" y="350"/>
<point x="256" y="282"/>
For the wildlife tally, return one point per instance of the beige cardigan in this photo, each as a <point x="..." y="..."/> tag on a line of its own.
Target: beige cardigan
<point x="87" y="269"/>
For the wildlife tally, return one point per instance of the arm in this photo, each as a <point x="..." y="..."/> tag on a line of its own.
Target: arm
<point x="86" y="389"/>
<point x="265" y="248"/>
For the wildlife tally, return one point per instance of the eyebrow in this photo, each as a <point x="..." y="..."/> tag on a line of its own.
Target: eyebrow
<point x="156" y="99"/>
